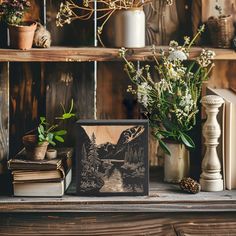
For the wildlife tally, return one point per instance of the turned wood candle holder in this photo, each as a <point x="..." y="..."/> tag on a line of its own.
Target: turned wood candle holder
<point x="211" y="178"/>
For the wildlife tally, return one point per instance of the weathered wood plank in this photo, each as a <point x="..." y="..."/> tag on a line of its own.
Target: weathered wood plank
<point x="162" y="198"/>
<point x="27" y="103"/>
<point x="82" y="54"/>
<point x="165" y="23"/>
<point x="78" y="33"/>
<point x="67" y="81"/>
<point x="166" y="224"/>
<point x="113" y="101"/>
<point x="4" y="116"/>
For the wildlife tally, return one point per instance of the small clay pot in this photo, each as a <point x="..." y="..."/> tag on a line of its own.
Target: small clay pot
<point x="34" y="151"/>
<point x="21" y="36"/>
<point x="51" y="154"/>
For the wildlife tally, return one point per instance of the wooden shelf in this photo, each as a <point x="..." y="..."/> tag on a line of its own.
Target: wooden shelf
<point x="86" y="54"/>
<point x="162" y="198"/>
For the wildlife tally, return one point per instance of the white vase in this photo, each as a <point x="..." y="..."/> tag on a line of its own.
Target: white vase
<point x="129" y="28"/>
<point x="176" y="165"/>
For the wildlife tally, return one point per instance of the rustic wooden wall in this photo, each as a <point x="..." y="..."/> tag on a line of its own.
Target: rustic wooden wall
<point x="67" y="81"/>
<point x="165" y="23"/>
<point x="78" y="33"/>
<point x="27" y="101"/>
<point x="4" y="115"/>
<point x="113" y="101"/>
<point x="37" y="89"/>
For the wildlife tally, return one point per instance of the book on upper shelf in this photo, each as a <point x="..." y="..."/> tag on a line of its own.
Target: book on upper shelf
<point x="46" y="178"/>
<point x="228" y="136"/>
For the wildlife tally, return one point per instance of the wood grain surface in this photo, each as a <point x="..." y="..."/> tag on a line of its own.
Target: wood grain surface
<point x="4" y="116"/>
<point x="78" y="33"/>
<point x="89" y="54"/>
<point x="27" y="94"/>
<point x="67" y="81"/>
<point x="129" y="224"/>
<point x="162" y="198"/>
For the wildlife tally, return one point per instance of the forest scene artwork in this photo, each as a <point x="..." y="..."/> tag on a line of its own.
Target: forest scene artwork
<point x="112" y="158"/>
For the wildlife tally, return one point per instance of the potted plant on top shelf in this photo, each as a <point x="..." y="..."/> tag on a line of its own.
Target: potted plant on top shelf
<point x="21" y="32"/>
<point x="46" y="133"/>
<point x="170" y="102"/>
<point x="127" y="27"/>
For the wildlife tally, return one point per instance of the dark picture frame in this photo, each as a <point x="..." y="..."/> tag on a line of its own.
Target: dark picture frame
<point x="112" y="158"/>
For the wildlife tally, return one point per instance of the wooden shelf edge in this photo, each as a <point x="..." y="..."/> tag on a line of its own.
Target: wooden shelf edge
<point x="90" y="54"/>
<point x="78" y="204"/>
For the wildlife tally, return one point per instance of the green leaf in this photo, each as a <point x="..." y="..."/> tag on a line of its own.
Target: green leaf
<point x="50" y="136"/>
<point x="59" y="139"/>
<point x="165" y="133"/>
<point x="41" y="137"/>
<point x="60" y="132"/>
<point x="42" y="119"/>
<point x="187" y="140"/>
<point x="52" y="143"/>
<point x="71" y="105"/>
<point x="164" y="147"/>
<point x="41" y="129"/>
<point x="67" y="116"/>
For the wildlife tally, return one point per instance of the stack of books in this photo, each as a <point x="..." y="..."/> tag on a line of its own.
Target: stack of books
<point x="46" y="178"/>
<point x="227" y="142"/>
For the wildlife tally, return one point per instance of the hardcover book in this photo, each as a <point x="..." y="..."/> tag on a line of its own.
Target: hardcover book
<point x="229" y="136"/>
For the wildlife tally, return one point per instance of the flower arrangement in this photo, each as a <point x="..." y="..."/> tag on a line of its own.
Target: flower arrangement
<point x="12" y="11"/>
<point x="171" y="103"/>
<point x="70" y="11"/>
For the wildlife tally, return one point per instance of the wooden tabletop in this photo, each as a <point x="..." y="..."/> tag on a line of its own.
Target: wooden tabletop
<point x="162" y="198"/>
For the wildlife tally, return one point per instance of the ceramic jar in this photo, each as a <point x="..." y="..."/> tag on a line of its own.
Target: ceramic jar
<point x="129" y="28"/>
<point x="176" y="165"/>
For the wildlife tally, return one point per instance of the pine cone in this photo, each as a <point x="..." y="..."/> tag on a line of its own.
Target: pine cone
<point x="189" y="185"/>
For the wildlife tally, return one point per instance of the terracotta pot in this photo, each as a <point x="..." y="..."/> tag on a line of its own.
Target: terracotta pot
<point x="176" y="165"/>
<point x="21" y="36"/>
<point x="34" y="151"/>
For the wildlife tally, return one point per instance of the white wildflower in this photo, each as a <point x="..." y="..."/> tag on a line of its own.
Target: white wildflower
<point x="186" y="40"/>
<point x="186" y="102"/>
<point x="143" y="93"/>
<point x="163" y="85"/>
<point x="204" y="60"/>
<point x="177" y="55"/>
<point x="173" y="44"/>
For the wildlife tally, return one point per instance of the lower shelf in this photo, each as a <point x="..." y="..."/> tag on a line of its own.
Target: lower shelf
<point x="162" y="198"/>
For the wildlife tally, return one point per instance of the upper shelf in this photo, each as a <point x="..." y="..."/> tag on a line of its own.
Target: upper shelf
<point x="87" y="54"/>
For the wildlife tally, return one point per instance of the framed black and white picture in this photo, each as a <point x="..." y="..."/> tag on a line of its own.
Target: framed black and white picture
<point x="112" y="157"/>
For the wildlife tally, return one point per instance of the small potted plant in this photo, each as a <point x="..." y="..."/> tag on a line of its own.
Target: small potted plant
<point x="21" y="32"/>
<point x="171" y="102"/>
<point x="127" y="27"/>
<point x="221" y="29"/>
<point x="47" y="133"/>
